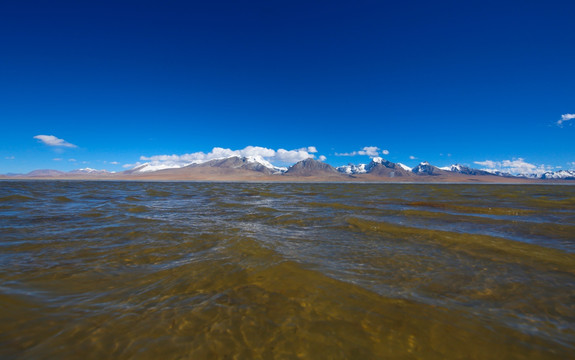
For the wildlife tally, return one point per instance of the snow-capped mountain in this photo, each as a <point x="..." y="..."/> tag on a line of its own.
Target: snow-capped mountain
<point x="351" y="169"/>
<point x="382" y="167"/>
<point x="462" y="169"/>
<point x="498" y="173"/>
<point x="425" y="168"/>
<point x="254" y="163"/>
<point x="561" y="174"/>
<point x="221" y="162"/>
<point x="377" y="166"/>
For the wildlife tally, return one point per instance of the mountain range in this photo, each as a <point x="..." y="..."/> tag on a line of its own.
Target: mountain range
<point x="256" y="168"/>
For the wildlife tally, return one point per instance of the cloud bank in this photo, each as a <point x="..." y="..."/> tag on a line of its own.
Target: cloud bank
<point x="515" y="166"/>
<point x="565" y="117"/>
<point x="51" y="140"/>
<point x="371" y="151"/>
<point x="280" y="156"/>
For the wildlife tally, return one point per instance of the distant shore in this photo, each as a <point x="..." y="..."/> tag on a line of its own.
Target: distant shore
<point x="453" y="179"/>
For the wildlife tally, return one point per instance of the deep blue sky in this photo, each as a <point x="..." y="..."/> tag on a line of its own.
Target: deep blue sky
<point x="479" y="80"/>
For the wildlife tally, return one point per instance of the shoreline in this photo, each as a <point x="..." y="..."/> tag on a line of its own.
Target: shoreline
<point x="302" y="180"/>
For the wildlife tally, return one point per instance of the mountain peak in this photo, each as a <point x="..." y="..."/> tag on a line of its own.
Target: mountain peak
<point x="311" y="167"/>
<point x="425" y="168"/>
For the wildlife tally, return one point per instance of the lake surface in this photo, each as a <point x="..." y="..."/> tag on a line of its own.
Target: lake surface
<point x="286" y="271"/>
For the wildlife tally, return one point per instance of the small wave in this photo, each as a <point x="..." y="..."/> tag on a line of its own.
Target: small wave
<point x="483" y="246"/>
<point x="15" y="198"/>
<point x="472" y="209"/>
<point x="160" y="193"/>
<point x="133" y="198"/>
<point x="137" y="209"/>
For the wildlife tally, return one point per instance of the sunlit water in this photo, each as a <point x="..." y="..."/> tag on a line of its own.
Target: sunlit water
<point x="286" y="271"/>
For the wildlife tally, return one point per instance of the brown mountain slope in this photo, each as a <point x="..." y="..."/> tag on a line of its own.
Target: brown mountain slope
<point x="311" y="167"/>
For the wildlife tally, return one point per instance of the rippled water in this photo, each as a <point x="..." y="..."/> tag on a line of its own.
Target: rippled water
<point x="248" y="271"/>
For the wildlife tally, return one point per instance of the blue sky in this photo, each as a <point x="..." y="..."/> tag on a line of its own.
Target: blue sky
<point x="440" y="81"/>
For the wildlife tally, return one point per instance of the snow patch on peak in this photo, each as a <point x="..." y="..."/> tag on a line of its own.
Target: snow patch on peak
<point x="404" y="167"/>
<point x="258" y="159"/>
<point x="453" y="168"/>
<point x="148" y="167"/>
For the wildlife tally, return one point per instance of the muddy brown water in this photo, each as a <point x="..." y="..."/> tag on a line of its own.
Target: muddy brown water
<point x="286" y="271"/>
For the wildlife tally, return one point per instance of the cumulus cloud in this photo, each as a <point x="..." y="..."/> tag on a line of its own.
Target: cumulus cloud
<point x="51" y="140"/>
<point x="371" y="151"/>
<point x="412" y="157"/>
<point x="322" y="158"/>
<point x="515" y="166"/>
<point x="565" y="117"/>
<point x="280" y="156"/>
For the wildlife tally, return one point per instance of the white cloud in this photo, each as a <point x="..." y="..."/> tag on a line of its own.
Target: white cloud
<point x="385" y="152"/>
<point x="565" y="117"/>
<point x="280" y="156"/>
<point x="114" y="162"/>
<point x="322" y="158"/>
<point x="57" y="159"/>
<point x="515" y="166"/>
<point x="72" y="160"/>
<point x="51" y="140"/>
<point x="488" y="164"/>
<point x="371" y="151"/>
<point x="412" y="157"/>
<point x="9" y="158"/>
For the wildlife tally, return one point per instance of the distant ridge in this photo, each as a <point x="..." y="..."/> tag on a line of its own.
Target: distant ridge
<point x="562" y="174"/>
<point x="311" y="167"/>
<point x="382" y="167"/>
<point x="236" y="162"/>
<point x="256" y="168"/>
<point x="461" y="169"/>
<point x="45" y="173"/>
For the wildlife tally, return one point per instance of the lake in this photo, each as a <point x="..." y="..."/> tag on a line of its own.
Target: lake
<point x="95" y="269"/>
